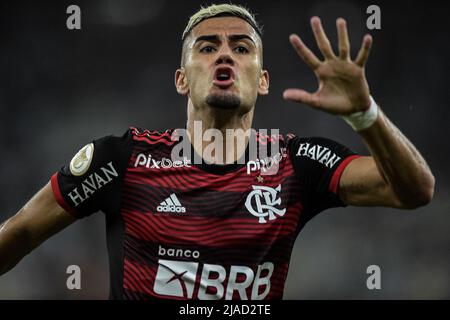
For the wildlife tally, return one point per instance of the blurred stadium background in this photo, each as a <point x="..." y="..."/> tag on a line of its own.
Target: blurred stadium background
<point x="60" y="89"/>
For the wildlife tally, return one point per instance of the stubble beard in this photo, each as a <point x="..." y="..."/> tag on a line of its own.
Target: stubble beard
<point x="224" y="101"/>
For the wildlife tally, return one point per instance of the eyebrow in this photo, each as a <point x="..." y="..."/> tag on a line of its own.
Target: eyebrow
<point x="215" y="38"/>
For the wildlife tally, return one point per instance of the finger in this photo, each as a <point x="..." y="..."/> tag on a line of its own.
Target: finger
<point x="344" y="43"/>
<point x="322" y="41"/>
<point x="303" y="51"/>
<point x="301" y="96"/>
<point x="363" y="53"/>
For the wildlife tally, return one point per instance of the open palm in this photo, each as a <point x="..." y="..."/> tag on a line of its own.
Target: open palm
<point x="343" y="87"/>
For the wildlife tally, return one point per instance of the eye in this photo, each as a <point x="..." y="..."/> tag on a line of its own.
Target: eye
<point x="207" y="49"/>
<point x="241" y="49"/>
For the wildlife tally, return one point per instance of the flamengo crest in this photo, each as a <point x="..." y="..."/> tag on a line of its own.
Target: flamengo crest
<point x="261" y="203"/>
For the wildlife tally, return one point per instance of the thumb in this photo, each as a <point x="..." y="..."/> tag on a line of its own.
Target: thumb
<point x="300" y="96"/>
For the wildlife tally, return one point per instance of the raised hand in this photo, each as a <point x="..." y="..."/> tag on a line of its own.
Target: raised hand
<point x="343" y="87"/>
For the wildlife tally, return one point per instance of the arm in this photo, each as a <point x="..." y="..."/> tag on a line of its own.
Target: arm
<point x="48" y="211"/>
<point x="395" y="174"/>
<point x="38" y="220"/>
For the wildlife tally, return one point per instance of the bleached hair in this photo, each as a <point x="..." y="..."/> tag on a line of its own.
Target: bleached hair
<point x="221" y="10"/>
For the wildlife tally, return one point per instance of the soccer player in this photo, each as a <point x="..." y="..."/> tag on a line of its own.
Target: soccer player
<point x="224" y="228"/>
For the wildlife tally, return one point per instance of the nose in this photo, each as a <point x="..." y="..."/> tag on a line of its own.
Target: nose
<point x="224" y="58"/>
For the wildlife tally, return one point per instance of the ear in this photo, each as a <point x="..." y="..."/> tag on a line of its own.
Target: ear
<point x="181" y="82"/>
<point x="263" y="87"/>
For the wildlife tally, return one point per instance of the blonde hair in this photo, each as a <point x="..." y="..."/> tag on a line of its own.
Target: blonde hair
<point x="221" y="10"/>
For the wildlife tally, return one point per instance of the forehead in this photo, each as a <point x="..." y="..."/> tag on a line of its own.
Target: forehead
<point x="225" y="26"/>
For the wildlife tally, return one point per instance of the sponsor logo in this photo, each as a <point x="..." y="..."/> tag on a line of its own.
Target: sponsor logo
<point x="92" y="183"/>
<point x="147" y="161"/>
<point x="82" y="160"/>
<point x="180" y="278"/>
<point x="318" y="153"/>
<point x="267" y="166"/>
<point x="178" y="253"/>
<point x="175" y="278"/>
<point x="171" y="204"/>
<point x="261" y="203"/>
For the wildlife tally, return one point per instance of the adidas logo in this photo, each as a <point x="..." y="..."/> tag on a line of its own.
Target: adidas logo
<point x="171" y="204"/>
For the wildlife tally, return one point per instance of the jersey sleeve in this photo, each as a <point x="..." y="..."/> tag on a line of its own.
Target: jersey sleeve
<point x="93" y="179"/>
<point x="318" y="164"/>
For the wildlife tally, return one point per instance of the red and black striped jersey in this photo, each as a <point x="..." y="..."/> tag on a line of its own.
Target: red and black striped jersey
<point x="181" y="230"/>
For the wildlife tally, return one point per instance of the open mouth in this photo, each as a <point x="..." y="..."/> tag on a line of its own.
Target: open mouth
<point x="223" y="77"/>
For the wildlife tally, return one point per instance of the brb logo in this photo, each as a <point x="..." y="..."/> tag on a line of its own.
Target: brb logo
<point x="261" y="203"/>
<point x="181" y="279"/>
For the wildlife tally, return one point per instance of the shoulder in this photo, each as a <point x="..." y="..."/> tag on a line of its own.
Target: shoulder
<point x="304" y="145"/>
<point x="131" y="137"/>
<point x="101" y="151"/>
<point x="152" y="137"/>
<point x="320" y="151"/>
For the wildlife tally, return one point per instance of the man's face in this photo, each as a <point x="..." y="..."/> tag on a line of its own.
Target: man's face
<point x="222" y="65"/>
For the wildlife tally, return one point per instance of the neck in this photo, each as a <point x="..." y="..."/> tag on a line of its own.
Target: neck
<point x="219" y="136"/>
